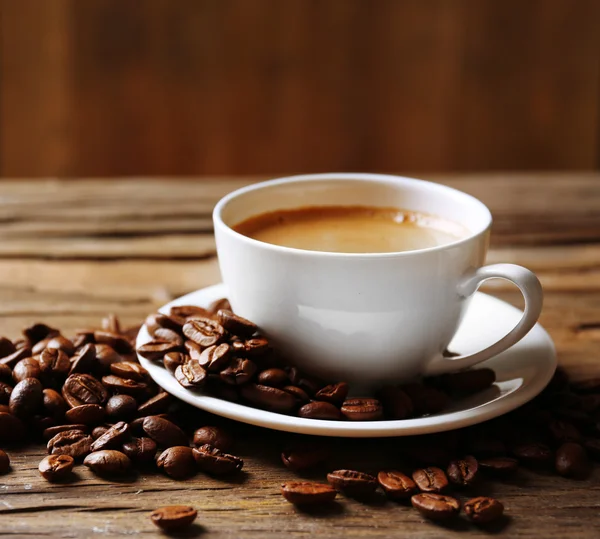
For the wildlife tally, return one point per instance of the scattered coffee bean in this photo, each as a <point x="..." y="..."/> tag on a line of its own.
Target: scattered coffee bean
<point x="572" y="461"/>
<point x="125" y="386"/>
<point x="114" y="437"/>
<point x="273" y="377"/>
<point x="83" y="361"/>
<point x="56" y="467"/>
<point x="54" y="404"/>
<point x="499" y="466"/>
<point x="307" y="493"/>
<point x="352" y="482"/>
<point x="562" y="432"/>
<point x="320" y="410"/>
<point x="298" y="394"/>
<point x="396" y="403"/>
<point x="81" y="389"/>
<point x="172" y="360"/>
<point x="130" y="370"/>
<point x="155" y="405"/>
<point x="240" y="371"/>
<point x="396" y="485"/>
<point x="158" y="320"/>
<point x="204" y="331"/>
<point x="334" y="393"/>
<point x="173" y="517"/>
<point x="269" y="398"/>
<point x="86" y="414"/>
<point x="164" y="432"/>
<point x="191" y="374"/>
<point x="12" y="359"/>
<point x="51" y="432"/>
<point x="483" y="510"/>
<point x="4" y="462"/>
<point x="436" y="506"/>
<point x="107" y="462"/>
<point x="304" y="456"/>
<point x="141" y="450"/>
<point x="121" y="408"/>
<point x="533" y="454"/>
<point x="431" y="479"/>
<point x="214" y="436"/>
<point x="236" y="325"/>
<point x="75" y="443"/>
<point x="253" y="348"/>
<point x="177" y="462"/>
<point x="362" y="409"/>
<point x="26" y="398"/>
<point x="26" y="368"/>
<point x="213" y="461"/>
<point x="156" y="350"/>
<point x="99" y="431"/>
<point x="216" y="358"/>
<point x="463" y="472"/>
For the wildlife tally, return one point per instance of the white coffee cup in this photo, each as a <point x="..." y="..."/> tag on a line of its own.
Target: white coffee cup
<point x="365" y="318"/>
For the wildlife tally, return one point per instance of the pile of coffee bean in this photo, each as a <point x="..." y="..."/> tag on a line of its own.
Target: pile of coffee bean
<point x="216" y="351"/>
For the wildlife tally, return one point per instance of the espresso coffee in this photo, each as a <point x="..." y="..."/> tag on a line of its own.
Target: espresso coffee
<point x="351" y="229"/>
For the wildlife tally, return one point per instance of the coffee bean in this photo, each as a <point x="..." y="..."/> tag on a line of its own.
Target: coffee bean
<point x="435" y="506"/>
<point x="83" y="361"/>
<point x="114" y="437"/>
<point x="19" y="354"/>
<point x="499" y="466"/>
<point x="5" y="374"/>
<point x="298" y="394"/>
<point x="572" y="461"/>
<point x="121" y="407"/>
<point x="6" y="347"/>
<point x="130" y="370"/>
<point x="467" y="382"/>
<point x="253" y="348"/>
<point x="38" y="332"/>
<point x="5" y="391"/>
<point x="362" y="409"/>
<point x="204" y="331"/>
<point x="99" y="431"/>
<point x="141" y="450"/>
<point x="236" y="325"/>
<point x="273" y="377"/>
<point x="352" y="482"/>
<point x="396" y="485"/>
<point x="12" y="429"/>
<point x="52" y="431"/>
<point x="268" y="398"/>
<point x="483" y="510"/>
<point x="173" y="517"/>
<point x="216" y="358"/>
<point x="533" y="454"/>
<point x="165" y="334"/>
<point x="562" y="432"/>
<point x="54" y="404"/>
<point x="240" y="371"/>
<point x="213" y="461"/>
<point x="158" y="320"/>
<point x="463" y="472"/>
<point x="214" y="436"/>
<point x="190" y="311"/>
<point x="125" y="385"/>
<point x="307" y="493"/>
<point x="118" y="342"/>
<point x="107" y="462"/>
<point x="591" y="385"/>
<point x="177" y="462"/>
<point x="304" y="456"/>
<point x="26" y="368"/>
<point x="172" y="360"/>
<point x="425" y="400"/>
<point x="26" y="398"/>
<point x="155" y="405"/>
<point x="111" y="324"/>
<point x="87" y="414"/>
<point x="56" y="467"/>
<point x="156" y="350"/>
<point x="191" y="375"/>
<point x="81" y="389"/>
<point x="320" y="410"/>
<point x="334" y="393"/>
<point x="61" y="343"/>
<point x="106" y="356"/>
<point x="74" y="443"/>
<point x="430" y="479"/>
<point x="4" y="462"/>
<point x="308" y="384"/>
<point x="164" y="432"/>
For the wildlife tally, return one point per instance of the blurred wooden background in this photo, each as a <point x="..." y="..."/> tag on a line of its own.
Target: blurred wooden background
<point x="126" y="87"/>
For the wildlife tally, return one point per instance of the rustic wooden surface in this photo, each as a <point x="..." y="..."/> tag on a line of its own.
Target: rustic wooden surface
<point x="71" y="252"/>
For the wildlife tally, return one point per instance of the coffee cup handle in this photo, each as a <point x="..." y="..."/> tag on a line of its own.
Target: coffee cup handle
<point x="530" y="287"/>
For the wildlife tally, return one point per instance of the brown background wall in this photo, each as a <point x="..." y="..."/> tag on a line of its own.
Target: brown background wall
<point x="114" y="87"/>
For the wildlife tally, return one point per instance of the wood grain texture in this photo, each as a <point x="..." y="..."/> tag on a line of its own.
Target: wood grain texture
<point x="70" y="252"/>
<point x="105" y="87"/>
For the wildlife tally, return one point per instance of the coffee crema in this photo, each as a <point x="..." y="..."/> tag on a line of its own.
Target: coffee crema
<point x="351" y="229"/>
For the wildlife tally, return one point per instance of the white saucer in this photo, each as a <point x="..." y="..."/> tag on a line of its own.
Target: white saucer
<point x="521" y="373"/>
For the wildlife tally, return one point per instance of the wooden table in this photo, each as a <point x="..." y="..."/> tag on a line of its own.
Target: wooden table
<point x="70" y="252"/>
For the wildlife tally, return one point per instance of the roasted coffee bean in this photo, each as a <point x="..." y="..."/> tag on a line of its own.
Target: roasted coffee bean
<point x="214" y="436"/>
<point x="164" y="432"/>
<point x="220" y="304"/>
<point x="194" y="350"/>
<point x="107" y="462"/>
<point x="121" y="408"/>
<point x="268" y="398"/>
<point x="320" y="410"/>
<point x="334" y="393"/>
<point x="304" y="456"/>
<point x="83" y="337"/>
<point x="362" y="409"/>
<point x="177" y="462"/>
<point x="60" y="343"/>
<point x="352" y="483"/>
<point x="562" y="432"/>
<point x="129" y="370"/>
<point x="26" y="368"/>
<point x="273" y="377"/>
<point x="56" y="467"/>
<point x="216" y="358"/>
<point x="155" y="405"/>
<point x="463" y="472"/>
<point x="81" y="389"/>
<point x="26" y="398"/>
<point x="239" y="372"/>
<point x="111" y="324"/>
<point x="236" y="325"/>
<point x="396" y="485"/>
<point x="99" y="431"/>
<point x="591" y="385"/>
<point x="156" y="350"/>
<point x="430" y="479"/>
<point x="19" y="354"/>
<point x="299" y="394"/>
<point x="173" y="517"/>
<point x="158" y="320"/>
<point x="4" y="462"/>
<point x="142" y="450"/>
<point x="5" y="391"/>
<point x="172" y="360"/>
<point x="191" y="375"/>
<point x="125" y="385"/>
<point x="83" y="361"/>
<point x="308" y="384"/>
<point x="204" y="331"/>
<point x="572" y="461"/>
<point x="483" y="510"/>
<point x="54" y="364"/>
<point x="114" y="437"/>
<point x="533" y="454"/>
<point x="253" y="348"/>
<point x="39" y="423"/>
<point x="307" y="493"/>
<point x="87" y="414"/>
<point x="12" y="429"/>
<point x="118" y="342"/>
<point x="105" y="357"/>
<point x="467" y="382"/>
<point x="165" y="334"/>
<point x="435" y="506"/>
<point x="425" y="400"/>
<point x="51" y="432"/>
<point x="499" y="466"/>
<point x="213" y="461"/>
<point x="38" y="332"/>
<point x="190" y="311"/>
<point x="6" y="347"/>
<point x="75" y="443"/>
